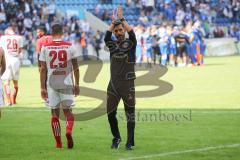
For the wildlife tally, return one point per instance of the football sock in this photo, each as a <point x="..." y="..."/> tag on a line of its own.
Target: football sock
<point x="56" y="128"/>
<point x="69" y="123"/>
<point x="14" y="95"/>
<point x="8" y="93"/>
<point x="199" y="58"/>
<point x="198" y="55"/>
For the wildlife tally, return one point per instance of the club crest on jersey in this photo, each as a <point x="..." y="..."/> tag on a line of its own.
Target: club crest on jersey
<point x="123" y="46"/>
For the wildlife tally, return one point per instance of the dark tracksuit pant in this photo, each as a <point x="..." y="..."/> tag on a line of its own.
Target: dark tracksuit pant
<point x="121" y="86"/>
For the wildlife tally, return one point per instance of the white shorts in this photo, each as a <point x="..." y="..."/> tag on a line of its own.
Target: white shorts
<point x="64" y="97"/>
<point x="1" y="95"/>
<point x="12" y="69"/>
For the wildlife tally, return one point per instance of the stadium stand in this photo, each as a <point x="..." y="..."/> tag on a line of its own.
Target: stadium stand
<point x="220" y="18"/>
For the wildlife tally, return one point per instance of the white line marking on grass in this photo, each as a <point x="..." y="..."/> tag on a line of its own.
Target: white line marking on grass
<point x="185" y="110"/>
<point x="235" y="111"/>
<point x="183" y="152"/>
<point x="23" y="110"/>
<point x="5" y="109"/>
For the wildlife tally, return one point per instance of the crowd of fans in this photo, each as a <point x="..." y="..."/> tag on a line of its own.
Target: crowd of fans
<point x="162" y="22"/>
<point x="220" y="18"/>
<point x="25" y="16"/>
<point x="155" y="19"/>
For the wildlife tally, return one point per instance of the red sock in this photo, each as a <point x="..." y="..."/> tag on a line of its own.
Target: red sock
<point x="69" y="123"/>
<point x="8" y="93"/>
<point x="56" y="128"/>
<point x="14" y="95"/>
<point x="199" y="57"/>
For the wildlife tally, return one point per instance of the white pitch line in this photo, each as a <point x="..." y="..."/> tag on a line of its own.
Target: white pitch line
<point x="23" y="110"/>
<point x="182" y="152"/>
<point x="143" y="111"/>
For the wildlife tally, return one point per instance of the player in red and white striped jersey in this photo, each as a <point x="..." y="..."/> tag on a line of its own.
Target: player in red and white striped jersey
<point x="42" y="40"/>
<point x="58" y="60"/>
<point x="12" y="45"/>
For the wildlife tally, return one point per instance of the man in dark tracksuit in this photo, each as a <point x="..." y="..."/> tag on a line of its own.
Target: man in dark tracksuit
<point x="121" y="85"/>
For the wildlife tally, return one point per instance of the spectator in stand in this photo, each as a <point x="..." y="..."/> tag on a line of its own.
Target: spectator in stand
<point x="30" y="47"/>
<point x="143" y="4"/>
<point x="98" y="11"/>
<point x="36" y="19"/>
<point x="3" y="23"/>
<point x="2" y="5"/>
<point x="206" y="27"/>
<point x="44" y="12"/>
<point x="180" y="16"/>
<point x="149" y="7"/>
<point x="28" y="24"/>
<point x="105" y="16"/>
<point x="129" y="3"/>
<point x="37" y="6"/>
<point x="2" y="16"/>
<point x="169" y="12"/>
<point x="143" y="19"/>
<point x="236" y="10"/>
<point x="218" y="32"/>
<point x="97" y="40"/>
<point x="84" y="44"/>
<point x="16" y="13"/>
<point x="51" y="10"/>
<point x="11" y="10"/>
<point x="27" y="8"/>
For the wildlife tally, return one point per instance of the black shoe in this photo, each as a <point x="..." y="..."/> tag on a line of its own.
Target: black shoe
<point x="115" y="143"/>
<point x="129" y="147"/>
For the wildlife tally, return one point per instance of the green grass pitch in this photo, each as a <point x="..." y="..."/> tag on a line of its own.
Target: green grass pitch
<point x="208" y="96"/>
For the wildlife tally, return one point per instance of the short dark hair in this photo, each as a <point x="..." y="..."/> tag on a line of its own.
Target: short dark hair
<point x="117" y="23"/>
<point x="42" y="28"/>
<point x="57" y="29"/>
